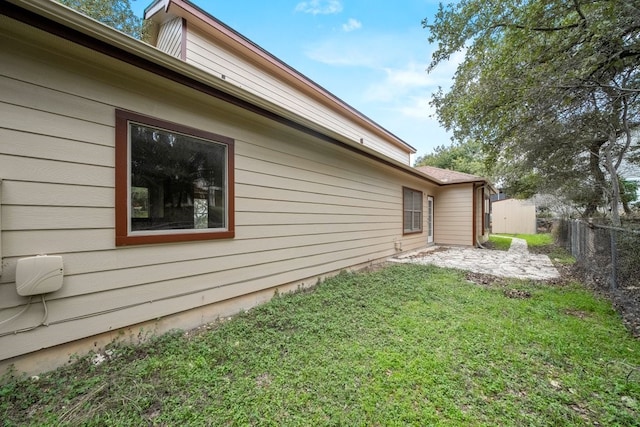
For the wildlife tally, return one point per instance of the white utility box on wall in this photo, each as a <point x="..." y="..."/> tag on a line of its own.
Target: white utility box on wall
<point x="39" y="275"/>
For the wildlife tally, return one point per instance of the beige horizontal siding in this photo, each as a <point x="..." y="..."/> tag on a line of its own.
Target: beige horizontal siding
<point x="255" y="260"/>
<point x="28" y="89"/>
<point x="51" y="124"/>
<point x="205" y="54"/>
<point x="304" y="208"/>
<point x="453" y="215"/>
<point x="45" y="194"/>
<point x="25" y="144"/>
<point x="19" y="168"/>
<point x="16" y="218"/>
<point x="80" y="263"/>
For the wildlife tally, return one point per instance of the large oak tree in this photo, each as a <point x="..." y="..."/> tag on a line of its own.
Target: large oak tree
<point x="117" y="14"/>
<point x="550" y="87"/>
<point x="467" y="157"/>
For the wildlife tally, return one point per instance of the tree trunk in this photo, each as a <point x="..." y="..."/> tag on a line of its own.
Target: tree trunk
<point x="615" y="183"/>
<point x="598" y="176"/>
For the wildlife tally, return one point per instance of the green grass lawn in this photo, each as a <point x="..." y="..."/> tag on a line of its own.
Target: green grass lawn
<point x="503" y="241"/>
<point x="533" y="240"/>
<point x="543" y="243"/>
<point x="500" y="243"/>
<point x="404" y="345"/>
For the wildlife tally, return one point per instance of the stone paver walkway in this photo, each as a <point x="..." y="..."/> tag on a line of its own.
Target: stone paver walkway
<point x="517" y="262"/>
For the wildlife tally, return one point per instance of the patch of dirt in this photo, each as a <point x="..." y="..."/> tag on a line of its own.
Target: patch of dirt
<point x="423" y="254"/>
<point x="263" y="380"/>
<point x="485" y="279"/>
<point x="627" y="302"/>
<point x="372" y="268"/>
<point x="577" y="313"/>
<point x="153" y="411"/>
<point x="516" y="294"/>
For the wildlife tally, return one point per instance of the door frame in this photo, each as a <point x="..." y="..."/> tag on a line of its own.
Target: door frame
<point x="430" y="210"/>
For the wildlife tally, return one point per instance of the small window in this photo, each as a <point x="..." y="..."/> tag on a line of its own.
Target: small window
<point x="173" y="183"/>
<point x="412" y="201"/>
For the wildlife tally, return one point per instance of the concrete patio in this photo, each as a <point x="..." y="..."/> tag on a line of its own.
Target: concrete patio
<point x="517" y="262"/>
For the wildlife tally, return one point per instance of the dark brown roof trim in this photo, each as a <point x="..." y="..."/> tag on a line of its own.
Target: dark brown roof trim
<point x="75" y="36"/>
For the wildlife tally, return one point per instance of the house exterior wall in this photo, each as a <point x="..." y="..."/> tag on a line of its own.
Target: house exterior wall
<point x="304" y="208"/>
<point x="514" y="216"/>
<point x="203" y="52"/>
<point x="454" y="214"/>
<point x="170" y="37"/>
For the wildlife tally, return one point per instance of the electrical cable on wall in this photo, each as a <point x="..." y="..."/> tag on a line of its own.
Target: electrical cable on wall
<point x="31" y="328"/>
<point x="15" y="316"/>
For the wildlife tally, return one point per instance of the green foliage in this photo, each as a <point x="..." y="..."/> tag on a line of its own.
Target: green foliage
<point x="405" y="345"/>
<point x="464" y="157"/>
<point x="628" y="191"/>
<point x="550" y="88"/>
<point x="114" y="13"/>
<point x="522" y="185"/>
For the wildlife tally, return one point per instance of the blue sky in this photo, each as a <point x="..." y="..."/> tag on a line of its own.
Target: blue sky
<point x="371" y="54"/>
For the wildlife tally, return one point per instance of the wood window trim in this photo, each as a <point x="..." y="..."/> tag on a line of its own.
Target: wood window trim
<point x="123" y="237"/>
<point x="404" y="230"/>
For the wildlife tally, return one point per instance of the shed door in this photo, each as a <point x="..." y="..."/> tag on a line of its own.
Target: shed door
<point x="429" y="219"/>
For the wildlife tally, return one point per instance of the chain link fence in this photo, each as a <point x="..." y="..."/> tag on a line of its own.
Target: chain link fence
<point x="609" y="255"/>
<point x="607" y="258"/>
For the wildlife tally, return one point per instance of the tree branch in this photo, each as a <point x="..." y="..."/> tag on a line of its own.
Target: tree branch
<point x="539" y="29"/>
<point x="626" y="130"/>
<point x="595" y="85"/>
<point x="577" y="5"/>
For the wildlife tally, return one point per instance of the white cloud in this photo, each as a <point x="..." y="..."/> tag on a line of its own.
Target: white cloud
<point x="374" y="51"/>
<point x="320" y="7"/>
<point x="392" y="80"/>
<point x="400" y="82"/>
<point x="418" y="107"/>
<point x="352" y="24"/>
<point x="341" y="54"/>
<point x="411" y="78"/>
<point x="414" y="75"/>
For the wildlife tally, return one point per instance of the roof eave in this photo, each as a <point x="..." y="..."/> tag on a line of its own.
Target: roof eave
<point x="240" y="44"/>
<point x="95" y="30"/>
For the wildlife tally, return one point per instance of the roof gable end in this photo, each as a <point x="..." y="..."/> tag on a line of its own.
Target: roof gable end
<point x="162" y="10"/>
